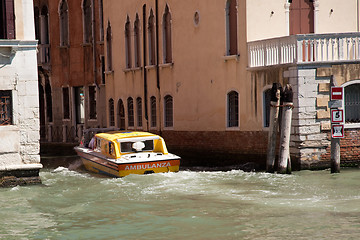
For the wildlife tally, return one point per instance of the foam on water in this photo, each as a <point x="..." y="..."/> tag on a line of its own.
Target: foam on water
<point x="187" y="204"/>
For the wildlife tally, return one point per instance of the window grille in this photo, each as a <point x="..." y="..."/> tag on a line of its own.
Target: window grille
<point x="5" y="107"/>
<point x="153" y="111"/>
<point x="130" y="112"/>
<point x="233" y="109"/>
<point x="168" y="111"/>
<point x="139" y="112"/>
<point x="352" y="103"/>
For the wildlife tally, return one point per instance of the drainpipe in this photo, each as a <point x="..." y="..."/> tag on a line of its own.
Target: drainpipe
<point x="144" y="63"/>
<point x="94" y="41"/>
<point x="157" y="60"/>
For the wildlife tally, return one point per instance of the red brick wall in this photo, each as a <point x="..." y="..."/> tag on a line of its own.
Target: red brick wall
<point x="218" y="148"/>
<point x="349" y="148"/>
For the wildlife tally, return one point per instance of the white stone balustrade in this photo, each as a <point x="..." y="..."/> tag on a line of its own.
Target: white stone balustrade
<point x="304" y="49"/>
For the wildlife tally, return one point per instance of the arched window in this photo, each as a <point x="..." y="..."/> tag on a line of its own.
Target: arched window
<point x="153" y="111"/>
<point x="151" y="38"/>
<point x="111" y="112"/>
<point x="233" y="109"/>
<point x="128" y="43"/>
<point x="352" y="103"/>
<point x="87" y="15"/>
<point x="266" y="107"/>
<point x="109" y="47"/>
<point x="231" y="27"/>
<point x="137" y="41"/>
<point x="168" y="102"/>
<point x="139" y="111"/>
<point x="64" y="24"/>
<point x="130" y="104"/>
<point x="121" y="115"/>
<point x="167" y="48"/>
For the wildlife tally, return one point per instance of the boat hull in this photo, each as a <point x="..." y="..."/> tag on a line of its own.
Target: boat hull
<point x="103" y="166"/>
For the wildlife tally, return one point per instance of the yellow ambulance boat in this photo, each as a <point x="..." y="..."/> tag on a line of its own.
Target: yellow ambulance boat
<point x="118" y="154"/>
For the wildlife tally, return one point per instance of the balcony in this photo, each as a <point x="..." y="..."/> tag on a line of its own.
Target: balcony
<point x="305" y="49"/>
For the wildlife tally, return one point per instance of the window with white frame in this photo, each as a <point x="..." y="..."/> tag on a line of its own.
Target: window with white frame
<point x="231" y="27"/>
<point x="233" y="109"/>
<point x="352" y="103"/>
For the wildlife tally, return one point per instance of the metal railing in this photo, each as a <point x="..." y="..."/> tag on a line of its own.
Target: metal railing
<point x="303" y="49"/>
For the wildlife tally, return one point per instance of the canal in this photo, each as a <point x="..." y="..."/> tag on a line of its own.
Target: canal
<point x="185" y="205"/>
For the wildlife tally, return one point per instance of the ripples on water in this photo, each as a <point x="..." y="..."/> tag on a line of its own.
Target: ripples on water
<point x="184" y="205"/>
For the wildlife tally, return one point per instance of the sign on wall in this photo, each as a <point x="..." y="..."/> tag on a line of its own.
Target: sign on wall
<point x="337" y="115"/>
<point x="337" y="131"/>
<point x="337" y="93"/>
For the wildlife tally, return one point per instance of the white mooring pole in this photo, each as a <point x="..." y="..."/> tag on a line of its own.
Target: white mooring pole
<point x="284" y="165"/>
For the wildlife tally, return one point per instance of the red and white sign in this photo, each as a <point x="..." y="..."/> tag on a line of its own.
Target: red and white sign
<point x="337" y="131"/>
<point x="337" y="93"/>
<point x="337" y="115"/>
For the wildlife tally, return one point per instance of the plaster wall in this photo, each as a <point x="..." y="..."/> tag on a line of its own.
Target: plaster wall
<point x="200" y="75"/>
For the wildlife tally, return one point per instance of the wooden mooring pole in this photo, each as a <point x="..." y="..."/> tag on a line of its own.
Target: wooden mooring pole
<point x="273" y="126"/>
<point x="284" y="165"/>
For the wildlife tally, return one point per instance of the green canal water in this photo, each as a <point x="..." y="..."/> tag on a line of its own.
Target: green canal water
<point x="184" y="205"/>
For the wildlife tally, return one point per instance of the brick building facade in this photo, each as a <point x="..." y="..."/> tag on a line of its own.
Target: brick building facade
<point x="70" y="63"/>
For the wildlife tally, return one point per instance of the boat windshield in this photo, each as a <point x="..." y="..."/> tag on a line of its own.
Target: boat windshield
<point x="126" y="147"/>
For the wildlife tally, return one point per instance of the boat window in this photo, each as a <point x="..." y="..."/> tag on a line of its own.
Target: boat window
<point x="127" y="146"/>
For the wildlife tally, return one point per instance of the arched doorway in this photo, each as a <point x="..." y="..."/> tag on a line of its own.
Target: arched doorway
<point x="301" y="17"/>
<point x="121" y="115"/>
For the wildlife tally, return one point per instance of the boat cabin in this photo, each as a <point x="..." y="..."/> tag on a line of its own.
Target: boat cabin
<point x="116" y="144"/>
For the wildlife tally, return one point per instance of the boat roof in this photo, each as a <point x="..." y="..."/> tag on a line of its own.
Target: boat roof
<point x="112" y="136"/>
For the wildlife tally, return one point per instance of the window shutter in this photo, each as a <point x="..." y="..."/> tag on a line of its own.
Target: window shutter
<point x="10" y="19"/>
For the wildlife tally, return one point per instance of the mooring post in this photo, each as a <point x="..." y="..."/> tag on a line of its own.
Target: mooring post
<point x="335" y="142"/>
<point x="284" y="165"/>
<point x="273" y="126"/>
